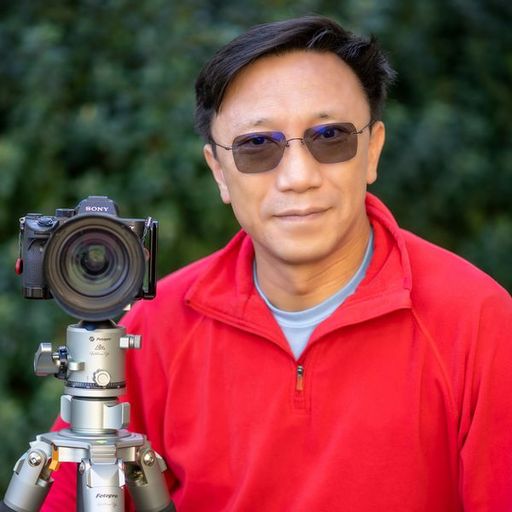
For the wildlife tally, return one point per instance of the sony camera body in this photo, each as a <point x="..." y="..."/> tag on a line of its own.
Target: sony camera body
<point x="91" y="261"/>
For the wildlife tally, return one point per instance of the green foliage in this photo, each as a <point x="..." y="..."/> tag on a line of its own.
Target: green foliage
<point x="96" y="97"/>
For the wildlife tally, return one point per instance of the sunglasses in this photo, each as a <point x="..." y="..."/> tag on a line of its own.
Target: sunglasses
<point x="262" y="151"/>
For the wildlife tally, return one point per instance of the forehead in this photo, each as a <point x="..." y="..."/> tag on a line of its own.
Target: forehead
<point x="300" y="86"/>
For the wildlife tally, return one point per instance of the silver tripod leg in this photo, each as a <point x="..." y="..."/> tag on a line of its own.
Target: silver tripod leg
<point x="100" y="485"/>
<point x="146" y="483"/>
<point x="31" y="480"/>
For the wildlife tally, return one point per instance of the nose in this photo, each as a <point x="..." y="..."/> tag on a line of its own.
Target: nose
<point x="298" y="170"/>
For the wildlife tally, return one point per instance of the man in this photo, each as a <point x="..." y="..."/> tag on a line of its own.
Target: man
<point x="325" y="359"/>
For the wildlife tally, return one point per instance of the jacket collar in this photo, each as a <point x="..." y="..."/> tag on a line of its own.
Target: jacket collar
<point x="225" y="290"/>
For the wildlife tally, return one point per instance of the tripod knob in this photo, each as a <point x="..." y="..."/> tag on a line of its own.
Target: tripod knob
<point x="102" y="377"/>
<point x="44" y="362"/>
<point x="131" y="341"/>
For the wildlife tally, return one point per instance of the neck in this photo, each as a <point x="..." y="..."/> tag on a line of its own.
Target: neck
<point x="299" y="286"/>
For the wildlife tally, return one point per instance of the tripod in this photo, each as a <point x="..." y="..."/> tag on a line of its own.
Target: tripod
<point x="109" y="457"/>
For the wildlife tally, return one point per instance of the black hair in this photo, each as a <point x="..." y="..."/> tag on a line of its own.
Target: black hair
<point x="317" y="33"/>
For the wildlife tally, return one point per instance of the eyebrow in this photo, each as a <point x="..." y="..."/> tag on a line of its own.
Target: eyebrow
<point x="325" y="115"/>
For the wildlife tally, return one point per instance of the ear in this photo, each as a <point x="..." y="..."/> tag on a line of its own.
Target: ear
<point x="218" y="173"/>
<point x="377" y="138"/>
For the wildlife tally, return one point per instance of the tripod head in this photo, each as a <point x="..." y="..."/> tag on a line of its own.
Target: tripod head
<point x="94" y="350"/>
<point x="92" y="364"/>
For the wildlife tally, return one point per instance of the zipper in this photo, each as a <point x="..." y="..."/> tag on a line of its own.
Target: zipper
<point x="299" y="385"/>
<point x="300" y="397"/>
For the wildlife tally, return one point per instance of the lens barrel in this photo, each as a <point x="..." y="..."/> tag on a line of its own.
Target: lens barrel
<point x="94" y="265"/>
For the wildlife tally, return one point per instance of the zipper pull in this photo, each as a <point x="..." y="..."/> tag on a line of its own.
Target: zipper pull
<point x="300" y="378"/>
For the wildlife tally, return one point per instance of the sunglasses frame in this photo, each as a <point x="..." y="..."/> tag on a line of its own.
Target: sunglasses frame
<point x="282" y="142"/>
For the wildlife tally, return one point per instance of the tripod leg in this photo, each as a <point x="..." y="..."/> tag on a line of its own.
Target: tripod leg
<point x="100" y="486"/>
<point x="146" y="482"/>
<point x="30" y="482"/>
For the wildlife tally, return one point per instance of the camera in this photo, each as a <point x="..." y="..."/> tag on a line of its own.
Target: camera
<point x="91" y="261"/>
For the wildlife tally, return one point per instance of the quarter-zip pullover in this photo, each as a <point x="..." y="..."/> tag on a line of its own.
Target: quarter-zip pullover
<point x="400" y="402"/>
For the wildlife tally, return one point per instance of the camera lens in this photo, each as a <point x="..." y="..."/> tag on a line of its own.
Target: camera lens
<point x="94" y="266"/>
<point x="96" y="263"/>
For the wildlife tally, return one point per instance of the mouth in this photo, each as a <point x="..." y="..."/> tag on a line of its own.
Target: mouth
<point x="297" y="214"/>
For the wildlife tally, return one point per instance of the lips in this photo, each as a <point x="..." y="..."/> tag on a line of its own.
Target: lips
<point x="298" y="212"/>
<point x="301" y="217"/>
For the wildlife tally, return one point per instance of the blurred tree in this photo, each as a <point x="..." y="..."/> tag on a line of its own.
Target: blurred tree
<point x="97" y="98"/>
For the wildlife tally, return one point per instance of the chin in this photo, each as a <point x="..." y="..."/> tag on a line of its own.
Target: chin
<point x="301" y="254"/>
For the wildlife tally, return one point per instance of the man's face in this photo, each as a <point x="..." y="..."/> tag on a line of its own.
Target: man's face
<point x="302" y="211"/>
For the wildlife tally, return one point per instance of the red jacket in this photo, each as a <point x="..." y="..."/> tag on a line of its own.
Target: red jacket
<point x="405" y="403"/>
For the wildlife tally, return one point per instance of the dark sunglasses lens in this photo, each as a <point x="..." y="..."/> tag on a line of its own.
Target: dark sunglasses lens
<point x="332" y="143"/>
<point x="258" y="152"/>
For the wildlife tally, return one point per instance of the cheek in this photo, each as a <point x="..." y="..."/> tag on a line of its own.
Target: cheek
<point x="349" y="180"/>
<point x="347" y="190"/>
<point x="360" y="173"/>
<point x="247" y="196"/>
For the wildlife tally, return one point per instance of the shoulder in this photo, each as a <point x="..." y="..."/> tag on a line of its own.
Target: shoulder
<point x="446" y="283"/>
